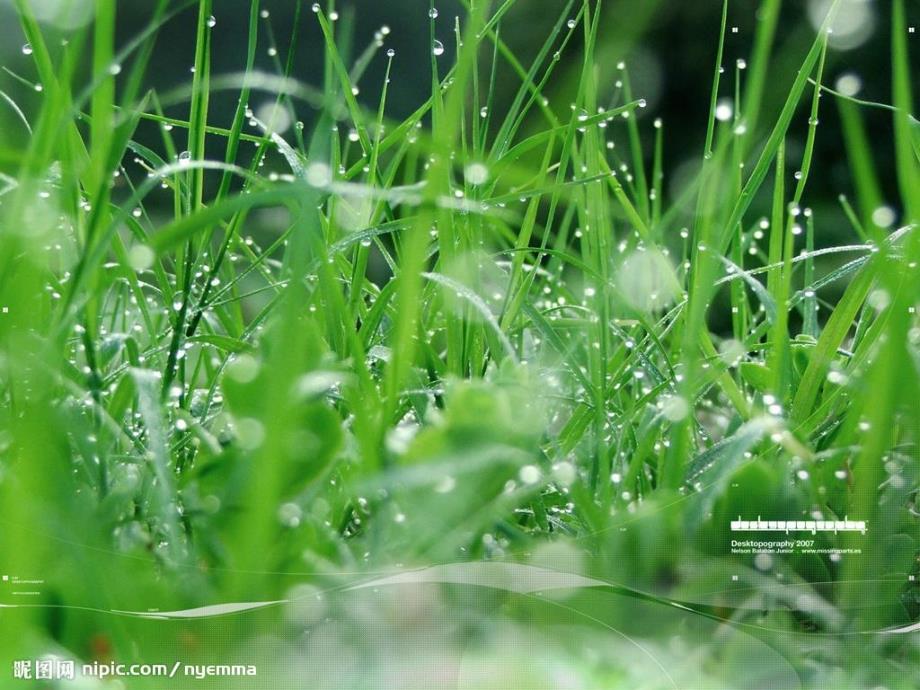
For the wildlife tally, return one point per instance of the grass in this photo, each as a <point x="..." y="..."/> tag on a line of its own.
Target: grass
<point x="250" y="362"/>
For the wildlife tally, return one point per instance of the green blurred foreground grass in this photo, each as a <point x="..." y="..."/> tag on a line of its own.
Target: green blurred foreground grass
<point x="339" y="352"/>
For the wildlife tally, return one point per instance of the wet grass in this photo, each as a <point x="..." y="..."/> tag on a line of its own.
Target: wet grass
<point x="243" y="354"/>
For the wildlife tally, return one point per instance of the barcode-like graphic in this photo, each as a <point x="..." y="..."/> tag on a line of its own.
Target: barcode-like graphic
<point x="813" y="526"/>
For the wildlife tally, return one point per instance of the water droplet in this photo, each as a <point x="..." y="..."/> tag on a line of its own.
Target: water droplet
<point x="318" y="175"/>
<point x="674" y="408"/>
<point x="878" y="299"/>
<point x="141" y="257"/>
<point x="883" y="216"/>
<point x="571" y="23"/>
<point x="391" y="53"/>
<point x="290" y="515"/>
<point x="476" y="173"/>
<point x="438" y="48"/>
<point x="27" y="49"/>
<point x="212" y="21"/>
<point x="530" y="474"/>
<point x="243" y="369"/>
<point x="433" y="13"/>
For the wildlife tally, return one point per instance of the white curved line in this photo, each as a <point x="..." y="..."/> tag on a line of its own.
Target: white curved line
<point x="514" y="577"/>
<point x="206" y="611"/>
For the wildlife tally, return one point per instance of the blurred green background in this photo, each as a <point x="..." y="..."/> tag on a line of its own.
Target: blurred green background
<point x="669" y="47"/>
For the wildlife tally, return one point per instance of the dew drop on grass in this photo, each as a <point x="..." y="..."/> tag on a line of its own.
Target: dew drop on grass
<point x="141" y="257"/>
<point x="315" y="7"/>
<point x="724" y="110"/>
<point x="476" y="173"/>
<point x="565" y="473"/>
<point x="883" y="216"/>
<point x="731" y="352"/>
<point x="530" y="474"/>
<point x="674" y="408"/>
<point x="391" y="53"/>
<point x="438" y="48"/>
<point x="878" y="299"/>
<point x="318" y="175"/>
<point x="27" y="49"/>
<point x="185" y="158"/>
<point x="849" y="84"/>
<point x="571" y="23"/>
<point x="243" y="369"/>
<point x="433" y="13"/>
<point x="212" y="21"/>
<point x="290" y="515"/>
